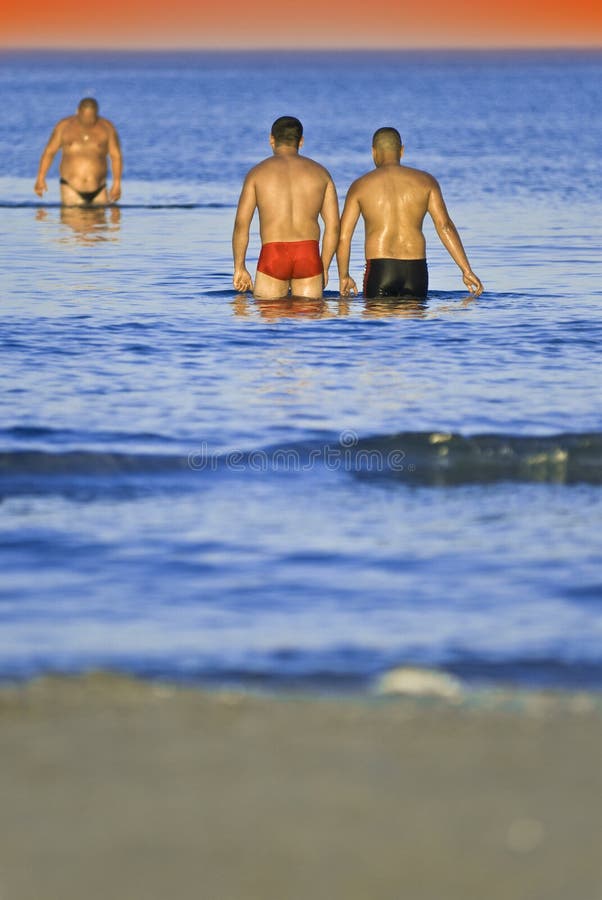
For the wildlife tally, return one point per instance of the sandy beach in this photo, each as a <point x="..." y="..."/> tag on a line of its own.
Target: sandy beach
<point x="116" y="788"/>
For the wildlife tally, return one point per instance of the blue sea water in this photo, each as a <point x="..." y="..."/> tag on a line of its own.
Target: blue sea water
<point x="198" y="485"/>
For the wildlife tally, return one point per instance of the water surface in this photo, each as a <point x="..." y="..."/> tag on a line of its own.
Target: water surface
<point x="196" y="484"/>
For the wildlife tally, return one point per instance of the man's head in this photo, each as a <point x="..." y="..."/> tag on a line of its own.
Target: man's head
<point x="386" y="145"/>
<point x="87" y="111"/>
<point x="287" y="131"/>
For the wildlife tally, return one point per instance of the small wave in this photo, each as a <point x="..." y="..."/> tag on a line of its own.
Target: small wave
<point x="78" y="463"/>
<point x="58" y="435"/>
<point x="441" y="458"/>
<point x="430" y="458"/>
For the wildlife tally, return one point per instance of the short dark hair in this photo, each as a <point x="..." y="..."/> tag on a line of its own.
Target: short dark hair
<point x="88" y="101"/>
<point x="287" y="130"/>
<point x="387" y="137"/>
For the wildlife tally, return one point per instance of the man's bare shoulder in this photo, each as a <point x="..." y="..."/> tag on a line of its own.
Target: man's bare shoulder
<point x="261" y="167"/>
<point x="366" y="183"/>
<point x="61" y="132"/>
<point x="62" y="124"/>
<point x="106" y="123"/>
<point x="317" y="167"/>
<point x="274" y="165"/>
<point x="366" y="178"/>
<point x="357" y="186"/>
<point x="419" y="175"/>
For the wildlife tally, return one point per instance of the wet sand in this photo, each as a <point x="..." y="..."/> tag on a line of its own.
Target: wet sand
<point x="114" y="788"/>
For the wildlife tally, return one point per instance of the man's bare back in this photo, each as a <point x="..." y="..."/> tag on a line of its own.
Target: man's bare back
<point x="290" y="192"/>
<point x="85" y="141"/>
<point x="393" y="200"/>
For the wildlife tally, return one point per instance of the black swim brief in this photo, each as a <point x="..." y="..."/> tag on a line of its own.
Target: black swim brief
<point x="396" y="278"/>
<point x="87" y="196"/>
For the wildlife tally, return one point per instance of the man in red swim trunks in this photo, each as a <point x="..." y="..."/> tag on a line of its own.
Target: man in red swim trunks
<point x="290" y="191"/>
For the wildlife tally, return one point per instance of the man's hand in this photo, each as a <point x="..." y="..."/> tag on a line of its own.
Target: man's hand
<point x="347" y="286"/>
<point x="115" y="192"/>
<point x="40" y="187"/>
<point x="472" y="283"/>
<point x="242" y="280"/>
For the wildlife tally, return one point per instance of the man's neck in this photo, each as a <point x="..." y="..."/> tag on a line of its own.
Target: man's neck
<point x="285" y="150"/>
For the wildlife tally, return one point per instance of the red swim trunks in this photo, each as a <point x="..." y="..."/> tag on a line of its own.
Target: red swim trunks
<point x="290" y="259"/>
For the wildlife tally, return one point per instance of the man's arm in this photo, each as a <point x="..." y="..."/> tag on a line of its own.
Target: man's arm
<point x="240" y="238"/>
<point x="116" y="163"/>
<point x="50" y="151"/>
<point x="351" y="213"/>
<point x="331" y="219"/>
<point x="450" y="239"/>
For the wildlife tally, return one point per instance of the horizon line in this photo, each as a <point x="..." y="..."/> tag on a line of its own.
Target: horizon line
<point x="235" y="48"/>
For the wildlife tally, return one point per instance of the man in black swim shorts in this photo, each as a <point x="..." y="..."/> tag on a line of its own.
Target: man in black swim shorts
<point x="393" y="201"/>
<point x="86" y="140"/>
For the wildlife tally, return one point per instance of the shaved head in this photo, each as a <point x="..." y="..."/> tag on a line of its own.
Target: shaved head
<point x="387" y="138"/>
<point x="88" y="103"/>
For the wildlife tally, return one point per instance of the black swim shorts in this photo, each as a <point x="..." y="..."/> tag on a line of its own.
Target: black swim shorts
<point x="396" y="278"/>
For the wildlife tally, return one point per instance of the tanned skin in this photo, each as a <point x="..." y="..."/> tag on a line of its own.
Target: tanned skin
<point x="85" y="140"/>
<point x="291" y="192"/>
<point x="393" y="200"/>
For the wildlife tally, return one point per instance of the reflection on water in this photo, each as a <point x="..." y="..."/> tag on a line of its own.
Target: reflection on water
<point x="405" y="308"/>
<point x="87" y="225"/>
<point x="304" y="308"/>
<point x="287" y="307"/>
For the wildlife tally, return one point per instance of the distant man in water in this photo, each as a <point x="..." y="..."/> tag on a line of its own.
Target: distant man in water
<point x="85" y="140"/>
<point x="393" y="200"/>
<point x="290" y="191"/>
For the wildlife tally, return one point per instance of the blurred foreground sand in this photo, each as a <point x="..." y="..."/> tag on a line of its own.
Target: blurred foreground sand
<point x="115" y="788"/>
